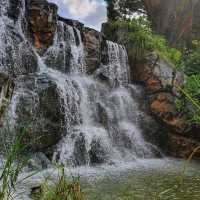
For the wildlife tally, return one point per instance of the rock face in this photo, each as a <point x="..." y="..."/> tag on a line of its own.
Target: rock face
<point x="196" y="22"/>
<point x="39" y="111"/>
<point x="42" y="20"/>
<point x="160" y="81"/>
<point x="182" y="147"/>
<point x="6" y="90"/>
<point x="93" y="44"/>
<point x="174" y="18"/>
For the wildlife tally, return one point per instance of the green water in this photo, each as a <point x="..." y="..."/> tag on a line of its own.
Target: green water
<point x="145" y="180"/>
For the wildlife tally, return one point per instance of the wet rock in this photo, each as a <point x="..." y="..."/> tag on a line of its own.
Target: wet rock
<point x="71" y="22"/>
<point x="40" y="110"/>
<point x="80" y="151"/>
<point x="42" y="19"/>
<point x="28" y="60"/>
<point x="182" y="147"/>
<point x="6" y="91"/>
<point x="97" y="153"/>
<point x="92" y="41"/>
<point x="38" y="161"/>
<point x="103" y="115"/>
<point x="14" y="8"/>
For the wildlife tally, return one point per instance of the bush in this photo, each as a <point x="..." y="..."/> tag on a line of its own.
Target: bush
<point x="13" y="165"/>
<point x="192" y="60"/>
<point x="138" y="37"/>
<point x="191" y="91"/>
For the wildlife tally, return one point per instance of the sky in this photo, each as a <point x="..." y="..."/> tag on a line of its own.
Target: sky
<point x="90" y="12"/>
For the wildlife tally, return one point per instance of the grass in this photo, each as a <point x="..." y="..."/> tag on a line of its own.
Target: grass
<point x="12" y="147"/>
<point x="62" y="189"/>
<point x="12" y="167"/>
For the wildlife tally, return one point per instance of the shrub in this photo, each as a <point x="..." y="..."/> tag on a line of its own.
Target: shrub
<point x="138" y="37"/>
<point x="191" y="91"/>
<point x="192" y="60"/>
<point x="12" y="166"/>
<point x="62" y="189"/>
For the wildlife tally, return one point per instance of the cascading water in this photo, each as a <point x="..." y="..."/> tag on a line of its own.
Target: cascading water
<point x="16" y="53"/>
<point x="116" y="69"/>
<point x="100" y="122"/>
<point x="67" y="50"/>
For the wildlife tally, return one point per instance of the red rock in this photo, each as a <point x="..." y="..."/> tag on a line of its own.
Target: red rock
<point x="42" y="21"/>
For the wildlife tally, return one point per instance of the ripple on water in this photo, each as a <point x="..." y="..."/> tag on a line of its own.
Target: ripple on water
<point x="149" y="179"/>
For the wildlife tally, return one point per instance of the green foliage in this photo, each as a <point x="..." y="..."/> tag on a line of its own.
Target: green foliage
<point x="191" y="91"/>
<point x="112" y="13"/>
<point x="60" y="190"/>
<point x="138" y="37"/>
<point x="12" y="166"/>
<point x="192" y="60"/>
<point x="123" y="9"/>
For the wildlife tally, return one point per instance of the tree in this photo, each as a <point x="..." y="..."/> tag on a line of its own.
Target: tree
<point x="123" y="9"/>
<point x="129" y="7"/>
<point x="112" y="12"/>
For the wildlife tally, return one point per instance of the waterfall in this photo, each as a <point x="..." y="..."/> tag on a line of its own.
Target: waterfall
<point x="101" y="119"/>
<point x="116" y="69"/>
<point x="4" y="40"/>
<point x="101" y="122"/>
<point x="115" y="138"/>
<point x="67" y="52"/>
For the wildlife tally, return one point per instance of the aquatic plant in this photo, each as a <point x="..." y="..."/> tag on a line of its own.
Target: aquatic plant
<point x="12" y="166"/>
<point x="62" y="189"/>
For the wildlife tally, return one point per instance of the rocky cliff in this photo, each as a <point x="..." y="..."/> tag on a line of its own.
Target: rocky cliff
<point x="176" y="19"/>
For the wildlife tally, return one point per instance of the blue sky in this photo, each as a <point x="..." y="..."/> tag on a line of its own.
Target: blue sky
<point x="91" y="12"/>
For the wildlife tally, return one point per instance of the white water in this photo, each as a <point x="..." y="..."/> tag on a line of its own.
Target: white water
<point x="101" y="120"/>
<point x="67" y="52"/>
<point x="87" y="139"/>
<point x="117" y="69"/>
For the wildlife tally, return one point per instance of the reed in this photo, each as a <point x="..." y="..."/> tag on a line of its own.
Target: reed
<point x="12" y="166"/>
<point x="62" y="189"/>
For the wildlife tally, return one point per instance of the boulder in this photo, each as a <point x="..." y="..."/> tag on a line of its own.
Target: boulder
<point x="39" y="110"/>
<point x="156" y="73"/>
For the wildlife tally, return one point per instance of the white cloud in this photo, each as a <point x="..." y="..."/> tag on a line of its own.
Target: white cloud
<point x="91" y="12"/>
<point x="80" y="8"/>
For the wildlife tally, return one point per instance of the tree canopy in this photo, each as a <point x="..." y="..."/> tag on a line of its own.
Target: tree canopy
<point x="123" y="9"/>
